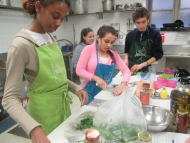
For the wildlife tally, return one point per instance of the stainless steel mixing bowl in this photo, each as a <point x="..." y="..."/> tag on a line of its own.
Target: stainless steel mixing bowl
<point x="157" y="118"/>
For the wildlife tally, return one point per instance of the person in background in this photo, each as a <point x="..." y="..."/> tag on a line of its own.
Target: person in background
<point x="35" y="54"/>
<point x="87" y="38"/>
<point x="143" y="45"/>
<point x="97" y="64"/>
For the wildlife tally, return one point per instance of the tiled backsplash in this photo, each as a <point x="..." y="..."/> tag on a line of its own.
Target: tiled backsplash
<point x="11" y="22"/>
<point x="182" y="63"/>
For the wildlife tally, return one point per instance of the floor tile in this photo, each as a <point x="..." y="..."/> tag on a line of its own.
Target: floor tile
<point x="6" y="124"/>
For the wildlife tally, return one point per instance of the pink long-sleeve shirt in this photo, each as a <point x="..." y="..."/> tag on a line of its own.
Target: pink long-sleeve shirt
<point x="87" y="63"/>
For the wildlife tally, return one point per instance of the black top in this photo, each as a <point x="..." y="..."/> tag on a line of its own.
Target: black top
<point x="154" y="35"/>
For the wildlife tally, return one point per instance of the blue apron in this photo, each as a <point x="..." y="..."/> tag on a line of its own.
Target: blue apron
<point x="105" y="72"/>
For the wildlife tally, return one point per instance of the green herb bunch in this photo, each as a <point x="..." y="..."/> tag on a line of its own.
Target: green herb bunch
<point x="85" y="123"/>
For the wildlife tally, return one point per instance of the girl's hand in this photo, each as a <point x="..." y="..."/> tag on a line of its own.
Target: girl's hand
<point x="83" y="97"/>
<point x="100" y="82"/>
<point x="39" y="136"/>
<point x="136" y="67"/>
<point x="118" y="89"/>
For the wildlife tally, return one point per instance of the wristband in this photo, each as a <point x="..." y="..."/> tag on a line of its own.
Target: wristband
<point x="146" y="63"/>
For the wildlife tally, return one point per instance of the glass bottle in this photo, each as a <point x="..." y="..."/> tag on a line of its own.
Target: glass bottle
<point x="145" y="94"/>
<point x="182" y="121"/>
<point x="92" y="136"/>
<point x="184" y="85"/>
<point x="144" y="137"/>
<point x="180" y="97"/>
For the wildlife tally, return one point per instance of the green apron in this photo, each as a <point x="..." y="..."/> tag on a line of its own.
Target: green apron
<point x="140" y="52"/>
<point x="49" y="102"/>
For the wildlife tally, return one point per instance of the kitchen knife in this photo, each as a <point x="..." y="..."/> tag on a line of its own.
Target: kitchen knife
<point x="76" y="139"/>
<point x="109" y="88"/>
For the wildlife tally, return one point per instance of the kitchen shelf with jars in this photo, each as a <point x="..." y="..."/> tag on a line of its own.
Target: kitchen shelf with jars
<point x="79" y="7"/>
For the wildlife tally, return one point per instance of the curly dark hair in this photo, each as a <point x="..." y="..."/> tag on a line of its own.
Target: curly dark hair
<point x="29" y="5"/>
<point x="140" y="12"/>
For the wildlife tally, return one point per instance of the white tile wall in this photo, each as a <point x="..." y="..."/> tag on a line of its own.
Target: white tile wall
<point x="182" y="63"/>
<point x="11" y="22"/>
<point x="84" y="21"/>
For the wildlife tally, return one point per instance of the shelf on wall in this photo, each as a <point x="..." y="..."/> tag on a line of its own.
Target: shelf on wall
<point x="11" y="7"/>
<point x="99" y="15"/>
<point x="112" y="11"/>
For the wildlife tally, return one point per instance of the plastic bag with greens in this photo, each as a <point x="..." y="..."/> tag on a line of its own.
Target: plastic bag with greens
<point x="120" y="119"/>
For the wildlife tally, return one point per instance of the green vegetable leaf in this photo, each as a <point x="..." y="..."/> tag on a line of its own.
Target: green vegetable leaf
<point x="85" y="123"/>
<point x="121" y="133"/>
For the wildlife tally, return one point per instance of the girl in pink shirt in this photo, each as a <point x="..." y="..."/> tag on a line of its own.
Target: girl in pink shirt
<point x="97" y="64"/>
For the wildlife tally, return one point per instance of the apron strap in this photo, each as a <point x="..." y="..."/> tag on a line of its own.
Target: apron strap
<point x="97" y="53"/>
<point x="141" y="35"/>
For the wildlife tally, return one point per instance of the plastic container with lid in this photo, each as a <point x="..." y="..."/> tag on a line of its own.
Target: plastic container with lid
<point x="180" y="97"/>
<point x="171" y="83"/>
<point x="158" y="84"/>
<point x="169" y="72"/>
<point x="144" y="137"/>
<point x="182" y="121"/>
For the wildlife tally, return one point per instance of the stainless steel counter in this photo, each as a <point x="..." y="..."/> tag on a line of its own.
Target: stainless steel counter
<point x="177" y="51"/>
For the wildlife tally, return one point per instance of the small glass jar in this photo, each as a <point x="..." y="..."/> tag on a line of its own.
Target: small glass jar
<point x="92" y="136"/>
<point x="145" y="94"/>
<point x="182" y="121"/>
<point x="144" y="137"/>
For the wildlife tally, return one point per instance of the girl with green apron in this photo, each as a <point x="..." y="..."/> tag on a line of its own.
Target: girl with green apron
<point x="49" y="103"/>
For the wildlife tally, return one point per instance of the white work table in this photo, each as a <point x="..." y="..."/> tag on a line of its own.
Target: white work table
<point x="106" y="95"/>
<point x="67" y="128"/>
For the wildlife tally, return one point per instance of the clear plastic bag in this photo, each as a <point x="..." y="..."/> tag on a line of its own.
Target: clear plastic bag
<point x="121" y="118"/>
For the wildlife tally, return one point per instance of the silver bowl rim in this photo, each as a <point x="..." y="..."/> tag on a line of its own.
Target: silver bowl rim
<point x="159" y="125"/>
<point x="161" y="108"/>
